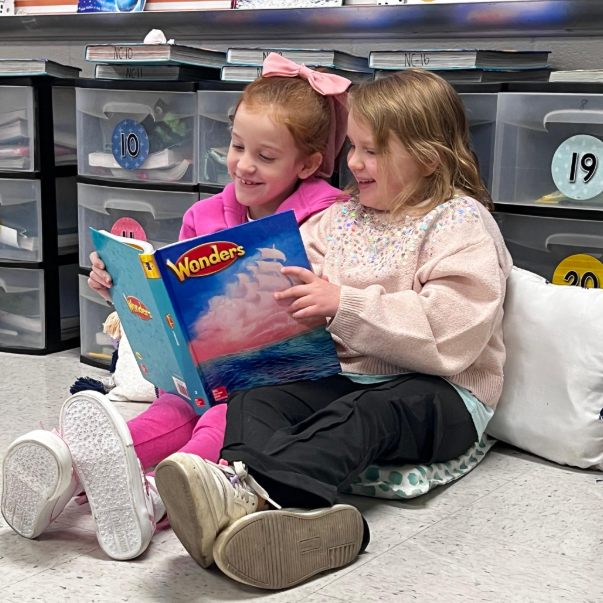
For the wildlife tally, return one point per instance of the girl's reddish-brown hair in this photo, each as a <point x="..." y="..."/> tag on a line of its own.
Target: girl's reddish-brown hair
<point x="294" y="103"/>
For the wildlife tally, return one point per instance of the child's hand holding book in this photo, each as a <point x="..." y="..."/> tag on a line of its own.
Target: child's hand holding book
<point x="99" y="280"/>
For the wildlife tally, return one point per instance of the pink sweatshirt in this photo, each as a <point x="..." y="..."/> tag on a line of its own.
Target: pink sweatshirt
<point x="224" y="211"/>
<point x="417" y="294"/>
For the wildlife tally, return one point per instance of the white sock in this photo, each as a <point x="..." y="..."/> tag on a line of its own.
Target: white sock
<point x="159" y="506"/>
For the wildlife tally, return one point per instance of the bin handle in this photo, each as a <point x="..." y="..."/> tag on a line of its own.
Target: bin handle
<point x="131" y="108"/>
<point x="11" y="289"/>
<point x="575" y="240"/>
<point x="129" y="204"/>
<point x="573" y="116"/>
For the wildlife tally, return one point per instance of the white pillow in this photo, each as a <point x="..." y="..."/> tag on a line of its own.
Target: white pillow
<point x="553" y="392"/>
<point x="130" y="385"/>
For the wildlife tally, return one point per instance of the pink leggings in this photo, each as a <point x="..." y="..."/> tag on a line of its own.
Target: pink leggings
<point x="170" y="425"/>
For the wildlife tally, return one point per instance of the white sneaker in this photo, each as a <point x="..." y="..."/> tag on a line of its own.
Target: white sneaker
<point x="203" y="498"/>
<point x="104" y="458"/>
<point x="38" y="481"/>
<point x="279" y="549"/>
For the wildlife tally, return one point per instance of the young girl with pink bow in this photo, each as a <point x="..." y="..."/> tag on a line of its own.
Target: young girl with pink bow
<point x="288" y="129"/>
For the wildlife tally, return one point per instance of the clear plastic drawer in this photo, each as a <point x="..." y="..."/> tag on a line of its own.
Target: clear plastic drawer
<point x="153" y="216"/>
<point x="137" y="135"/>
<point x="21" y="219"/>
<point x="22" y="307"/>
<point x="216" y="109"/>
<point x="562" y="251"/>
<point x="17" y="129"/>
<point x="549" y="150"/>
<point x="94" y="310"/>
<point x="63" y="116"/>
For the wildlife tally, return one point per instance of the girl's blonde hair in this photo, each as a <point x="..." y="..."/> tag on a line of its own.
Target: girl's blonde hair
<point x="295" y="104"/>
<point x="428" y="117"/>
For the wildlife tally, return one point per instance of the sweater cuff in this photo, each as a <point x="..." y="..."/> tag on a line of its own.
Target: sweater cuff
<point x="345" y="323"/>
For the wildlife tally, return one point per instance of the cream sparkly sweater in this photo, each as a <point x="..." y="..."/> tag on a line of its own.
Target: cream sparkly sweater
<point x="418" y="294"/>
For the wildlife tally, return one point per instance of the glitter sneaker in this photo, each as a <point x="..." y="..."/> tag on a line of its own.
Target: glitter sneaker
<point x="279" y="549"/>
<point x="202" y="498"/>
<point x="104" y="458"/>
<point x="38" y="481"/>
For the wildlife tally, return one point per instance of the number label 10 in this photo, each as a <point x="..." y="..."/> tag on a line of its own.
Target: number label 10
<point x="130" y="145"/>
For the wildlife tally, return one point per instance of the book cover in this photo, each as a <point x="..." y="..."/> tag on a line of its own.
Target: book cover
<point x="206" y="323"/>
<point x="110" y="6"/>
<point x="139" y="53"/>
<point x="458" y="59"/>
<point x="249" y="73"/>
<point x="311" y="57"/>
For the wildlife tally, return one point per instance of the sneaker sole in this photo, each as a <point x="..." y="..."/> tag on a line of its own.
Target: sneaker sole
<point x="183" y="492"/>
<point x="108" y="468"/>
<point x="36" y="473"/>
<point x="279" y="549"/>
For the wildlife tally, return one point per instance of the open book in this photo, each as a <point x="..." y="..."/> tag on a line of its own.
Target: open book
<point x="201" y="315"/>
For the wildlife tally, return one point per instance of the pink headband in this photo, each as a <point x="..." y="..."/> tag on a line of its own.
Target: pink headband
<point x="333" y="87"/>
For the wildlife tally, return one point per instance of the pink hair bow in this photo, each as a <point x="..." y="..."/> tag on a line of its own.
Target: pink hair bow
<point x="331" y="86"/>
<point x="326" y="84"/>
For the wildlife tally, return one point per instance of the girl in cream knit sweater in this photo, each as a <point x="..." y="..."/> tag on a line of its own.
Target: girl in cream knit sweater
<point x="410" y="276"/>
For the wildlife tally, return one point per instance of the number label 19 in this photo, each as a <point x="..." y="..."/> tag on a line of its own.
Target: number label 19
<point x="588" y="164"/>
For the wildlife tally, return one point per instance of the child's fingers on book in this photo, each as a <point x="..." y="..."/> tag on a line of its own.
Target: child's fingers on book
<point x="102" y="281"/>
<point x="102" y="275"/>
<point x="297" y="291"/>
<point x="303" y="274"/>
<point x="96" y="261"/>
<point x="309" y="312"/>
<point x="300" y="303"/>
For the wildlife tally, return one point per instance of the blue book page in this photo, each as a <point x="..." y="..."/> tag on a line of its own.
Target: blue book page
<point x="222" y="286"/>
<point x="141" y="318"/>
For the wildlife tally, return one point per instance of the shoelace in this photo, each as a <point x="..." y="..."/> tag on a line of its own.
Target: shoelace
<point x="242" y="482"/>
<point x="148" y="487"/>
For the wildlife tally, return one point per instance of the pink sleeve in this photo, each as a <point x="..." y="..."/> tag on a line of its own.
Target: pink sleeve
<point x="188" y="226"/>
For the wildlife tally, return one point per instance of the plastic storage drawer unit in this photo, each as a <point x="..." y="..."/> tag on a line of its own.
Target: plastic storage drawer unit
<point x="563" y="251"/>
<point x="481" y="111"/>
<point x="21" y="219"/>
<point x="63" y="116"/>
<point x="137" y="135"/>
<point x="154" y="216"/>
<point x="94" y="310"/>
<point x="216" y="108"/>
<point x="549" y="150"/>
<point x="22" y="307"/>
<point x="17" y="129"/>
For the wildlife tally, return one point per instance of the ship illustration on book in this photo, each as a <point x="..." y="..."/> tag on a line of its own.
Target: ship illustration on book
<point x="201" y="315"/>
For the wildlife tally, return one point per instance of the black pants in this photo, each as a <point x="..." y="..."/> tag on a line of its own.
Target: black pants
<point x="304" y="440"/>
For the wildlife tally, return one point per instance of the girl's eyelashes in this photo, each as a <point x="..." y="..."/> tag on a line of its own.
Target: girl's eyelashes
<point x="367" y="151"/>
<point x="267" y="159"/>
<point x="237" y="147"/>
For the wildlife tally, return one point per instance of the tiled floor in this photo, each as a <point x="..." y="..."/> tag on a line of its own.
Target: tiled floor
<point x="517" y="529"/>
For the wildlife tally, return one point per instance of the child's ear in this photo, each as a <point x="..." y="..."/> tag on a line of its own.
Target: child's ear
<point x="430" y="168"/>
<point x="311" y="164"/>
